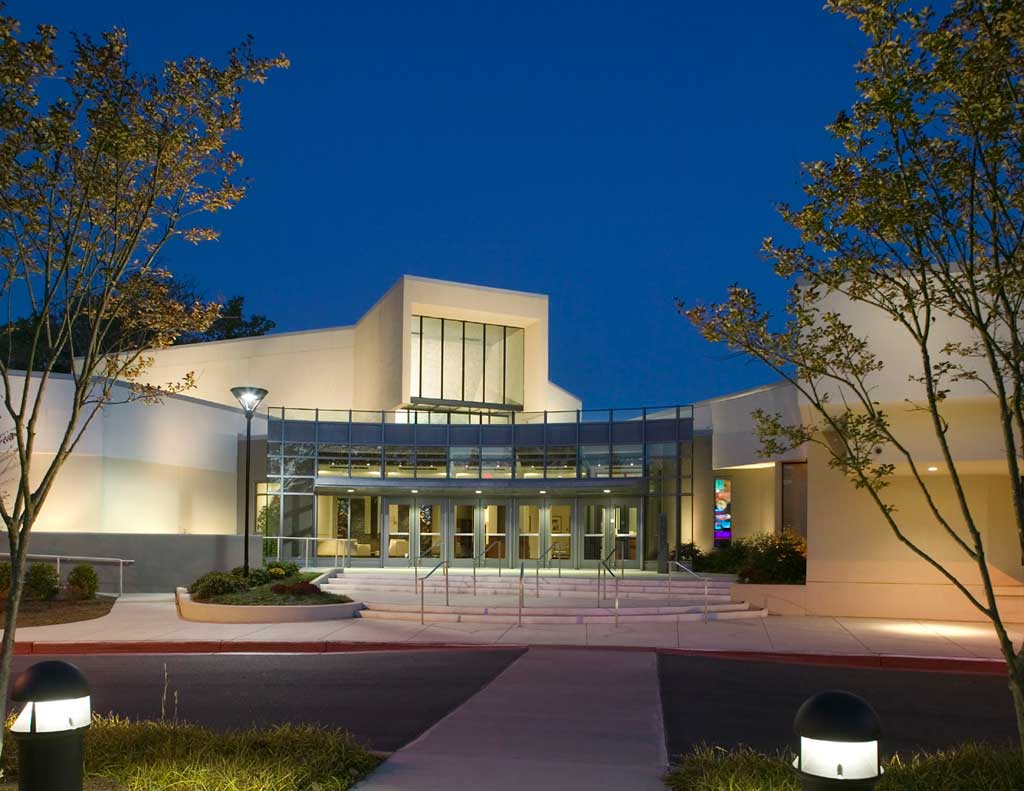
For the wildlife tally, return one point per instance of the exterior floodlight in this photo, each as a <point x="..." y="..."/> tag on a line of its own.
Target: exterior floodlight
<point x="49" y="728"/>
<point x="839" y="735"/>
<point x="250" y="398"/>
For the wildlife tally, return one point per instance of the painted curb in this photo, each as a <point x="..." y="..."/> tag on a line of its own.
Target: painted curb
<point x="869" y="661"/>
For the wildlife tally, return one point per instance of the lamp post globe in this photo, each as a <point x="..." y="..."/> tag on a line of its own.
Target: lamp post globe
<point x="249" y="398"/>
<point x="57" y="709"/>
<point x="839" y="734"/>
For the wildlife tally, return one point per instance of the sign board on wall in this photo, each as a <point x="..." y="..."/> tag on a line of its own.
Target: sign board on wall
<point x="723" y="511"/>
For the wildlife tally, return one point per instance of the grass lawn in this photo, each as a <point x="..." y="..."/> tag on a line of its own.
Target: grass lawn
<point x="45" y="613"/>
<point x="121" y="755"/>
<point x="263" y="594"/>
<point x="970" y="767"/>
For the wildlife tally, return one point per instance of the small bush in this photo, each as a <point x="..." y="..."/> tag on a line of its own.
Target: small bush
<point x="775" y="560"/>
<point x="216" y="583"/>
<point x="289" y="569"/>
<point x="690" y="552"/>
<point x="41" y="582"/>
<point x="269" y="547"/>
<point x="301" y="588"/>
<point x="257" y="575"/>
<point x="83" y="582"/>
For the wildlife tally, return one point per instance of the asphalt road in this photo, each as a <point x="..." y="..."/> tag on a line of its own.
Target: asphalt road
<point x="725" y="702"/>
<point x="385" y="699"/>
<point x="388" y="698"/>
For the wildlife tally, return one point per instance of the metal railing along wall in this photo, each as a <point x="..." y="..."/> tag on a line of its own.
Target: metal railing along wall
<point x="121" y="563"/>
<point x="692" y="573"/>
<point x="540" y="560"/>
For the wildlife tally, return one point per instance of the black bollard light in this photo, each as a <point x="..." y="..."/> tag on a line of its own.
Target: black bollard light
<point x="839" y="735"/>
<point x="50" y="727"/>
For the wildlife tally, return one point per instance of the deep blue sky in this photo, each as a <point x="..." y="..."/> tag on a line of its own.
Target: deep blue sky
<point x="613" y="155"/>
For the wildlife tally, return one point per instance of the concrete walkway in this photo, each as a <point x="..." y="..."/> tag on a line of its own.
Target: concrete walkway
<point x="156" y="620"/>
<point x="589" y="721"/>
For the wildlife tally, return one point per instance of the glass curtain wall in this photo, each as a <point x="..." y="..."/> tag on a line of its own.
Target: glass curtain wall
<point x="465" y="361"/>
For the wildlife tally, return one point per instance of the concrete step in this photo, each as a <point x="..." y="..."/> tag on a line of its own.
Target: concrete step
<point x="471" y="609"/>
<point x="569" y="616"/>
<point x="530" y="590"/>
<point x="490" y="582"/>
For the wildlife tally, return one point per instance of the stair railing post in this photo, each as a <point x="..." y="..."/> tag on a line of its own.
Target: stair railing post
<point x="522" y="569"/>
<point x="705" y="600"/>
<point x="58" y="569"/>
<point x="120" y="578"/>
<point x="474" y="577"/>
<point x="446" y="603"/>
<point x="616" y="602"/>
<point x="538" y="578"/>
<point x="423" y="602"/>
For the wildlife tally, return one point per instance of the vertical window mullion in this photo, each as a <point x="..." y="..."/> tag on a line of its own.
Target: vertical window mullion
<point x="443" y="322"/>
<point x="463" y="389"/>
<point x="504" y="362"/>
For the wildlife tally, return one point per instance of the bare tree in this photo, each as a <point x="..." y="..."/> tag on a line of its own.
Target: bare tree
<point x="94" y="183"/>
<point x="918" y="224"/>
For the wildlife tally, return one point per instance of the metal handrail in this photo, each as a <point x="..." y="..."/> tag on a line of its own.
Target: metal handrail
<point x="693" y="573"/>
<point x="121" y="563"/>
<point x="540" y="559"/>
<point x="616" y="578"/>
<point x="423" y="587"/>
<point x="600" y="581"/>
<point x="483" y="554"/>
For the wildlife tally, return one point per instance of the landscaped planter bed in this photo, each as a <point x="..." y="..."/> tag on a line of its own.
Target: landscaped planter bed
<point x="262" y="613"/>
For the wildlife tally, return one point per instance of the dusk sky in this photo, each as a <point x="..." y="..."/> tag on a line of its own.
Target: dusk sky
<point x="613" y="155"/>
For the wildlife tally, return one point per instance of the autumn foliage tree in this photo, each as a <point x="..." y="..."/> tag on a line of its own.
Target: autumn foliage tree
<point x="917" y="224"/>
<point x="101" y="167"/>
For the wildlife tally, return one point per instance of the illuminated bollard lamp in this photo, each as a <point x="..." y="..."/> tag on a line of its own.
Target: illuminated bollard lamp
<point x="838" y="734"/>
<point x="50" y="727"/>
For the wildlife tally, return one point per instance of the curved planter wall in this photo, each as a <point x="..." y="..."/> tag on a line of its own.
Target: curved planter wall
<point x="270" y="613"/>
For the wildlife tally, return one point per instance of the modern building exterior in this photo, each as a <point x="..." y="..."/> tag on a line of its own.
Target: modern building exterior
<point x="430" y="429"/>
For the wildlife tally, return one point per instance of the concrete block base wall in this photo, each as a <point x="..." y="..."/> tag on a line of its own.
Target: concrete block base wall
<point x="162" y="561"/>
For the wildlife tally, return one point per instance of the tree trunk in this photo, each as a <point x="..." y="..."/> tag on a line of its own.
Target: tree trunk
<point x="1016" y="674"/>
<point x="11" y="612"/>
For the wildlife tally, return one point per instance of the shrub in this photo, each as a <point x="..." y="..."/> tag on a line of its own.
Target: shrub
<point x="83" y="582"/>
<point x="269" y="547"/>
<point x="216" y="583"/>
<point x="690" y="552"/>
<point x="775" y="559"/>
<point x="301" y="588"/>
<point x="257" y="576"/>
<point x="277" y="573"/>
<point x="41" y="582"/>
<point x="289" y="569"/>
<point x="723" y="560"/>
<point x="761" y="559"/>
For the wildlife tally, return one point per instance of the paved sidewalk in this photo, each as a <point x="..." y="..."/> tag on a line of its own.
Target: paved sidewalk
<point x="156" y="620"/>
<point x="541" y="726"/>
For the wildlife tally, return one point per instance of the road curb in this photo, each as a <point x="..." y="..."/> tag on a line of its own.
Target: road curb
<point x="876" y="661"/>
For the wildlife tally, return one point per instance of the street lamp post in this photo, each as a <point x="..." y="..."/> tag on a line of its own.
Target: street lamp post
<point x="250" y="398"/>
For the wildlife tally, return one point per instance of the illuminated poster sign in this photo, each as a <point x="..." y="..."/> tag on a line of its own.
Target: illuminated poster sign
<point x="723" y="511"/>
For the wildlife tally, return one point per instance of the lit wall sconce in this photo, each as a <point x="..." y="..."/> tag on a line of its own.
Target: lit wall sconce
<point x="50" y="726"/>
<point x="839" y="735"/>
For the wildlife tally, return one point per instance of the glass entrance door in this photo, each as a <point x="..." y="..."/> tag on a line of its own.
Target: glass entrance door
<point x="462" y="546"/>
<point x="559" y="534"/>
<point x="595" y="534"/>
<point x="494" y="517"/>
<point x="624" y="533"/>
<point x="399" y="536"/>
<point x="528" y="543"/>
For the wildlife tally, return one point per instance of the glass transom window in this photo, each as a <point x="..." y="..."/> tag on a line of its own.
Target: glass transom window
<point x="466" y="362"/>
